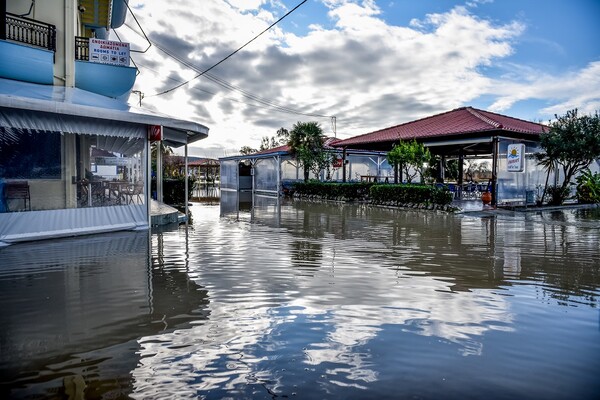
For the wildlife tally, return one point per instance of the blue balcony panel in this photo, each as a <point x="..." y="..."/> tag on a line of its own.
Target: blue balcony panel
<point x="104" y="79"/>
<point x="25" y="63"/>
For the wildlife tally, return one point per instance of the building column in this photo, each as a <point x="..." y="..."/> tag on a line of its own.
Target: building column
<point x="70" y="33"/>
<point x="2" y="19"/>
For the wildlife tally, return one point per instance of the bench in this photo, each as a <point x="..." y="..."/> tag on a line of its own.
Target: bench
<point x="18" y="190"/>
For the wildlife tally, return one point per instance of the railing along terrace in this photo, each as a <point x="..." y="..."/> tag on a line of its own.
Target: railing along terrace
<point x="29" y="31"/>
<point x="82" y="48"/>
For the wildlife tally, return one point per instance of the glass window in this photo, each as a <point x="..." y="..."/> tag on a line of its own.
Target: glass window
<point x="26" y="154"/>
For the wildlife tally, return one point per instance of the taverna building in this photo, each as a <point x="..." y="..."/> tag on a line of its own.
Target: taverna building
<point x="74" y="156"/>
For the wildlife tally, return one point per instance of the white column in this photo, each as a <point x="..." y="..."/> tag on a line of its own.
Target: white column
<point x="70" y="32"/>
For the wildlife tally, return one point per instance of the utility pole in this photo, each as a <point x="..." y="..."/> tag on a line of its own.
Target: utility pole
<point x="140" y="96"/>
<point x="333" y="126"/>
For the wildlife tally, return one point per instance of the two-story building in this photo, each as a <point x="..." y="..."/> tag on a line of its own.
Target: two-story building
<point x="74" y="156"/>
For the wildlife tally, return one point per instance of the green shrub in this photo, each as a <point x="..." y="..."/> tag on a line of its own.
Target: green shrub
<point x="329" y="190"/>
<point x="378" y="193"/>
<point x="588" y="187"/>
<point x="407" y="193"/>
<point x="557" y="195"/>
<point x="174" y="190"/>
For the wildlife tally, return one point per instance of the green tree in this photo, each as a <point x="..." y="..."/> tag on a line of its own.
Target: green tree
<point x="572" y="143"/>
<point x="166" y="152"/>
<point x="268" y="143"/>
<point x="411" y="157"/>
<point x="245" y="150"/>
<point x="305" y="141"/>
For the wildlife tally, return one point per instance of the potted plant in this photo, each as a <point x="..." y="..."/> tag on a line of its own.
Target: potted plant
<point x="486" y="197"/>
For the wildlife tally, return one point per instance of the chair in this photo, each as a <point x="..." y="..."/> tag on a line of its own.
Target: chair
<point x="135" y="190"/>
<point x="471" y="191"/>
<point x="18" y="190"/>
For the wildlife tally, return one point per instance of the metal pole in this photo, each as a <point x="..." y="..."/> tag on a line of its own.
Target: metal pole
<point x="186" y="184"/>
<point x="279" y="188"/>
<point x="148" y="182"/>
<point x="494" y="170"/>
<point x="461" y="160"/>
<point x="159" y="172"/>
<point x="344" y="165"/>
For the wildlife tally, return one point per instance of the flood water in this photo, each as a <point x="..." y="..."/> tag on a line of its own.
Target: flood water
<point x="268" y="299"/>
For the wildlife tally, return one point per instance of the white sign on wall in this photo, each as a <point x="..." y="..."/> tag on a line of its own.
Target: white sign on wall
<point x="109" y="52"/>
<point x="515" y="158"/>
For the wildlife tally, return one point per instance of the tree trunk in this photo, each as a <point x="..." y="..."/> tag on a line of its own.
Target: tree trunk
<point x="545" y="187"/>
<point x="306" y="173"/>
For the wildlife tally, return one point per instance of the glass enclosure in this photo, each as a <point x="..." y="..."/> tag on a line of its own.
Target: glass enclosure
<point x="266" y="172"/>
<point x="229" y="174"/>
<point x="46" y="170"/>
<point x="520" y="187"/>
<point x="368" y="168"/>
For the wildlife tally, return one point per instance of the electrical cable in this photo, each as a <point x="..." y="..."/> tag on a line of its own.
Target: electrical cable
<point x="229" y="98"/>
<point x="223" y="83"/>
<point x="231" y="87"/>
<point x="231" y="54"/>
<point x="140" y="26"/>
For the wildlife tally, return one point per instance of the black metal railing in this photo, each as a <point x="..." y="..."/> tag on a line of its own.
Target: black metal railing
<point x="82" y="48"/>
<point x="29" y="31"/>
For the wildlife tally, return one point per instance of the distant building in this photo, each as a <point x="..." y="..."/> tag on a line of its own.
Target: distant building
<point x="471" y="133"/>
<point x="272" y="171"/>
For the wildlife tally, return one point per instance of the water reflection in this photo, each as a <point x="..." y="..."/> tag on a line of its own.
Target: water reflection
<point x="73" y="309"/>
<point x="263" y="298"/>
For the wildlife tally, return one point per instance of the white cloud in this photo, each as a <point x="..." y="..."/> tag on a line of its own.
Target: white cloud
<point x="576" y="89"/>
<point x="366" y="72"/>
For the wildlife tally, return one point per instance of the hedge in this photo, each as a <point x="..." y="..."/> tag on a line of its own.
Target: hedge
<point x="376" y="193"/>
<point x="409" y="193"/>
<point x="328" y="190"/>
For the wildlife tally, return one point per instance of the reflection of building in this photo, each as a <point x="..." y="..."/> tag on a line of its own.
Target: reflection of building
<point x="60" y="108"/>
<point x="88" y="295"/>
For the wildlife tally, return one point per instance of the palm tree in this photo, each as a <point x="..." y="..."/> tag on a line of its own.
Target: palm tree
<point x="305" y="141"/>
<point x="548" y="162"/>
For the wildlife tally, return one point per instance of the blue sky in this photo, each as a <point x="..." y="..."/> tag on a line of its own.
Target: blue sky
<point x="372" y="64"/>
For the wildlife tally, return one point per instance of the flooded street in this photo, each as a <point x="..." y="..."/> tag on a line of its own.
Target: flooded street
<point x="262" y="299"/>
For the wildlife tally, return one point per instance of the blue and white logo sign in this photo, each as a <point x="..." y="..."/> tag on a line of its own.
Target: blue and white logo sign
<point x="515" y="158"/>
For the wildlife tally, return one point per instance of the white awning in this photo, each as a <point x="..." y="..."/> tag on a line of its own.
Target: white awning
<point x="82" y="106"/>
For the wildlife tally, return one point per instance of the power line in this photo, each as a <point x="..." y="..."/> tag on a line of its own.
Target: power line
<point x="223" y="83"/>
<point x="232" y="99"/>
<point x="229" y="86"/>
<point x="231" y="54"/>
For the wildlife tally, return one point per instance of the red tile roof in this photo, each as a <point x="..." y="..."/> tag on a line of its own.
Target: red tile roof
<point x="461" y="121"/>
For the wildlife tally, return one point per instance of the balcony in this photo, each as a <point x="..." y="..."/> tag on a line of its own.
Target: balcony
<point x="105" y="79"/>
<point x="27" y="50"/>
<point x="31" y="32"/>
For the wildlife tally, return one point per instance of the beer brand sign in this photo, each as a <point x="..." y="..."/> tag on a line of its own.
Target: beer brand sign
<point x="515" y="158"/>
